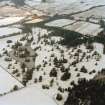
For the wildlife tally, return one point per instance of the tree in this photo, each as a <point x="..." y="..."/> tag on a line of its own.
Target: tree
<point x="102" y="23"/>
<point x="15" y="88"/>
<point x="87" y="93"/>
<point x="40" y="79"/>
<point x="59" y="97"/>
<point x="65" y="76"/>
<point x="53" y="73"/>
<point x="83" y="69"/>
<point x="23" y="65"/>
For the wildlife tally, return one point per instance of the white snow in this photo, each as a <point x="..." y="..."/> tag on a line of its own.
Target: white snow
<point x="60" y="22"/>
<point x="9" y="30"/>
<point x="50" y="2"/>
<point x="10" y="20"/>
<point x="64" y="7"/>
<point x="27" y="96"/>
<point x="7" y="82"/>
<point x="85" y="28"/>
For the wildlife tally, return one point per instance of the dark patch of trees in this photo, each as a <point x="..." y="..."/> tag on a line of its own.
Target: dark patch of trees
<point x="87" y="93"/>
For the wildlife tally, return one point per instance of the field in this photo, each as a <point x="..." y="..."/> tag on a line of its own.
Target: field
<point x="95" y="13"/>
<point x="60" y="23"/>
<point x="6" y="31"/>
<point x="7" y="82"/>
<point x="85" y="28"/>
<point x="10" y="20"/>
<point x="35" y="96"/>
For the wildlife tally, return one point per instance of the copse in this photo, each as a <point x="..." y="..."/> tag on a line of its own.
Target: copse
<point x="87" y="93"/>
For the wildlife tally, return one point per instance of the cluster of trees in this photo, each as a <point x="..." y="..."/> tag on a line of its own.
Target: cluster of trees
<point x="27" y="76"/>
<point x="90" y="92"/>
<point x="53" y="73"/>
<point x="59" y="62"/>
<point x="66" y="76"/>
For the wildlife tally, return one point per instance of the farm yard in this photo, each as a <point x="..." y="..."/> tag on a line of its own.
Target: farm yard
<point x="33" y="97"/>
<point x="7" y="31"/>
<point x="67" y="8"/>
<point x="8" y="82"/>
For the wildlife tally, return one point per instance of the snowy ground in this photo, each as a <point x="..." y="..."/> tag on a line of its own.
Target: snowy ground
<point x="7" y="82"/>
<point x="6" y="31"/>
<point x="85" y="28"/>
<point x="68" y="7"/>
<point x="10" y="20"/>
<point x="93" y="14"/>
<point x="60" y="23"/>
<point x="26" y="96"/>
<point x="81" y="27"/>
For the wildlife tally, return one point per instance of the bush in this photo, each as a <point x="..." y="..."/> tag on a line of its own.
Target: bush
<point x="40" y="79"/>
<point x="45" y="86"/>
<point x="15" y="88"/>
<point x="65" y="76"/>
<point x="53" y="73"/>
<point x="9" y="41"/>
<point x="59" y="97"/>
<point x="83" y="69"/>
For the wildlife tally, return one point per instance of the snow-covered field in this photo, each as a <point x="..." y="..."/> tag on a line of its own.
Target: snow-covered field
<point x="85" y="28"/>
<point x="6" y="31"/>
<point x="95" y="13"/>
<point x="60" y="23"/>
<point x="64" y="7"/>
<point x="27" y="96"/>
<point x="7" y="82"/>
<point x="10" y="20"/>
<point x="60" y="6"/>
<point x="48" y="2"/>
